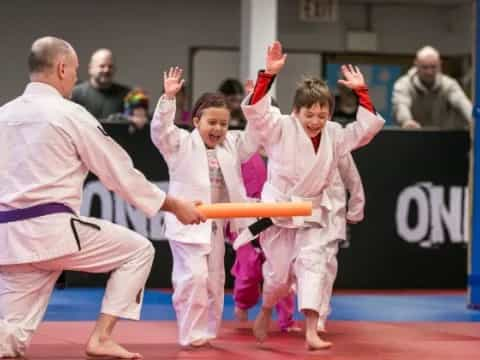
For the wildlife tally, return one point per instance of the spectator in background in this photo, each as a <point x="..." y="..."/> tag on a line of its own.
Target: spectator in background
<point x="136" y="105"/>
<point x="346" y="104"/>
<point x="425" y="97"/>
<point x="233" y="90"/>
<point x="100" y="95"/>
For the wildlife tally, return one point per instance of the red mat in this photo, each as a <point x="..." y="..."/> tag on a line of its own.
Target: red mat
<point x="352" y="340"/>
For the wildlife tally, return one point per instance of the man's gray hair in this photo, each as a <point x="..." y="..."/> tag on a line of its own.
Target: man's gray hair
<point x="44" y="51"/>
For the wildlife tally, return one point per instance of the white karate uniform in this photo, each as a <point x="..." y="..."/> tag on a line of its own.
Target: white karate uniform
<point x="346" y="178"/>
<point x="198" y="275"/>
<point x="47" y="146"/>
<point x="298" y="248"/>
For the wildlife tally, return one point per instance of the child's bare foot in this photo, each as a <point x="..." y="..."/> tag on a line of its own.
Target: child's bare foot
<point x="262" y="324"/>
<point x="321" y="328"/>
<point x="316" y="343"/>
<point x="293" y="329"/>
<point x="241" y="314"/>
<point x="109" y="348"/>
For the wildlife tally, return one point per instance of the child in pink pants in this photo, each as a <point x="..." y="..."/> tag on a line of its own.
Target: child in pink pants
<point x="247" y="268"/>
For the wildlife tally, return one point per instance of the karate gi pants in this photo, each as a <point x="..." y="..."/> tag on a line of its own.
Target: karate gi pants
<point x="304" y="256"/>
<point x="198" y="280"/>
<point x="25" y="289"/>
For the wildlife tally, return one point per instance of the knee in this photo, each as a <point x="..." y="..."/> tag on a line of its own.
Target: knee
<point x="150" y="250"/>
<point x="146" y="250"/>
<point x="192" y="289"/>
<point x="198" y="279"/>
<point x="14" y="341"/>
<point x="191" y="279"/>
<point x="277" y="279"/>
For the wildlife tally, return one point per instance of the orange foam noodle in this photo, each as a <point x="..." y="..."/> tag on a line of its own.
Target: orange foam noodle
<point x="239" y="210"/>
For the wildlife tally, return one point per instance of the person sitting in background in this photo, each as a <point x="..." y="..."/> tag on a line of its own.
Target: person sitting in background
<point x="425" y="97"/>
<point x="233" y="90"/>
<point x="136" y="105"/>
<point x="346" y="104"/>
<point x="100" y="95"/>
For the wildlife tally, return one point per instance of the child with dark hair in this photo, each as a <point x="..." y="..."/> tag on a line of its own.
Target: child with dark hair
<point x="304" y="150"/>
<point x="234" y="92"/>
<point x="135" y="105"/>
<point x="205" y="164"/>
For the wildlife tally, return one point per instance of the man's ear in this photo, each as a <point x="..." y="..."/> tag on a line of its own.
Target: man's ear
<point x="60" y="68"/>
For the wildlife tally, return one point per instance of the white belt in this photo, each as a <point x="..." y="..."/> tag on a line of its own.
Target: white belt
<point x="321" y="206"/>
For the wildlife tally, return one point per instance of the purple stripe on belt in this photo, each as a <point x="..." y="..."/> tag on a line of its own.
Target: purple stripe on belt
<point x="33" y="212"/>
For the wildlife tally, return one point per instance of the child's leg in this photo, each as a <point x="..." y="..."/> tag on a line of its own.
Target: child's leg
<point x="311" y="271"/>
<point x="285" y="309"/>
<point x="332" y="267"/>
<point x="190" y="291"/>
<point x="247" y="271"/>
<point x="314" y="342"/>
<point x="216" y="282"/>
<point x="278" y="245"/>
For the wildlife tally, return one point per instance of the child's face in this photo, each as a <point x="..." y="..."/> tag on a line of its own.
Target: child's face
<point x="213" y="125"/>
<point x="139" y="117"/>
<point x="313" y="119"/>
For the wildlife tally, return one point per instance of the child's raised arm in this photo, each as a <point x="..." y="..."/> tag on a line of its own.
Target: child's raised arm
<point x="275" y="58"/>
<point x="166" y="136"/>
<point x="275" y="61"/>
<point x="262" y="118"/>
<point x="172" y="81"/>
<point x="353" y="79"/>
<point x="368" y="122"/>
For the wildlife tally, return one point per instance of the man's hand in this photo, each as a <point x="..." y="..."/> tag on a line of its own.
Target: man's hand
<point x="411" y="124"/>
<point x="185" y="211"/>
<point x="275" y="58"/>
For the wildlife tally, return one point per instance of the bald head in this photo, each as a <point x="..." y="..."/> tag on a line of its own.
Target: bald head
<point x="428" y="52"/>
<point x="44" y="53"/>
<point x="101" y="54"/>
<point x="101" y="69"/>
<point x="53" y="61"/>
<point x="428" y="65"/>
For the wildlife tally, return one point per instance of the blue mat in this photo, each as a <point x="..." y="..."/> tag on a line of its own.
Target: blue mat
<point x="83" y="304"/>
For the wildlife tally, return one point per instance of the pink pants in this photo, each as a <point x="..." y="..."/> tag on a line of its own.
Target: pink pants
<point x="247" y="271"/>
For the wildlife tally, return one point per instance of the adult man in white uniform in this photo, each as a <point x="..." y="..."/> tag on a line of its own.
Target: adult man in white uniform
<point x="47" y="146"/>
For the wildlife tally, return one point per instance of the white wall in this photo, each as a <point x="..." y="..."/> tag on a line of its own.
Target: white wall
<point x="149" y="35"/>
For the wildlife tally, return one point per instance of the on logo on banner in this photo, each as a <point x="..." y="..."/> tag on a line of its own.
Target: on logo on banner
<point x="431" y="215"/>
<point x="113" y="208"/>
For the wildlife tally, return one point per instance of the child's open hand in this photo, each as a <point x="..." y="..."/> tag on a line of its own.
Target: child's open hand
<point x="172" y="81"/>
<point x="275" y="58"/>
<point x="353" y="77"/>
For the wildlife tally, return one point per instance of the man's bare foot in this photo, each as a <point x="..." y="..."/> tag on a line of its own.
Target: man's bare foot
<point x="241" y="314"/>
<point x="316" y="343"/>
<point x="262" y="324"/>
<point x="199" y="343"/>
<point x="109" y="348"/>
